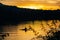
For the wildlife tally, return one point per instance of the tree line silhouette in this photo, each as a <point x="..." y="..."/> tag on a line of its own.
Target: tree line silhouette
<point x="15" y="15"/>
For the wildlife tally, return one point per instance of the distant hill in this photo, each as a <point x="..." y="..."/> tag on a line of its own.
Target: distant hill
<point x="13" y="15"/>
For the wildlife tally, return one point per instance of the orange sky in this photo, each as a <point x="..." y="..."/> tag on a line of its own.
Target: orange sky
<point x="37" y="4"/>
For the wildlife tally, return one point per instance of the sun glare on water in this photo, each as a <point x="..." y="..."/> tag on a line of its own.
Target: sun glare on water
<point x="37" y="30"/>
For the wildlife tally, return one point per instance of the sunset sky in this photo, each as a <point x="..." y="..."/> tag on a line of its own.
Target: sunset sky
<point x="33" y="4"/>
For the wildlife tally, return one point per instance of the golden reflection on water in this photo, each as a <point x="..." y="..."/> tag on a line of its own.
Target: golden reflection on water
<point x="42" y="28"/>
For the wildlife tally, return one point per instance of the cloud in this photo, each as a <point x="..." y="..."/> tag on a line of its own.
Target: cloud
<point x="14" y="2"/>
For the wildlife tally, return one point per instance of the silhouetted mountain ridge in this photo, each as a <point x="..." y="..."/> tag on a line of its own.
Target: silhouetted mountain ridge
<point x="15" y="15"/>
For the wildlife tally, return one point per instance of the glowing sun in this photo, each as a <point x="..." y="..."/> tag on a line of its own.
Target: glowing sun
<point x="32" y="6"/>
<point x="44" y="7"/>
